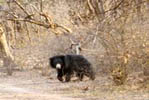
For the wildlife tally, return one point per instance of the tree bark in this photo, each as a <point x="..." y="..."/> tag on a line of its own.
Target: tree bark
<point x="5" y="52"/>
<point x="4" y="43"/>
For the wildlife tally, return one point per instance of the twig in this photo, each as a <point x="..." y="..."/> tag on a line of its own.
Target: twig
<point x="19" y="4"/>
<point x="33" y="22"/>
<point x="90" y="6"/>
<point x="48" y="19"/>
<point x="65" y="28"/>
<point x="41" y="5"/>
<point x="117" y="6"/>
<point x="11" y="13"/>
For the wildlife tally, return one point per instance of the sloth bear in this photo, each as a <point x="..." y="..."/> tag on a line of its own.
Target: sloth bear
<point x="67" y="65"/>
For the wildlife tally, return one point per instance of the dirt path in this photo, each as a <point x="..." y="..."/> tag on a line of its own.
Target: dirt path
<point x="30" y="85"/>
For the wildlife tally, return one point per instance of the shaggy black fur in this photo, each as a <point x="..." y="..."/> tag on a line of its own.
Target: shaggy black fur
<point x="71" y="64"/>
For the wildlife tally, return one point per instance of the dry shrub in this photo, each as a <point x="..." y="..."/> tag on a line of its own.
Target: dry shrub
<point x="112" y="24"/>
<point x="120" y="31"/>
<point x="119" y="72"/>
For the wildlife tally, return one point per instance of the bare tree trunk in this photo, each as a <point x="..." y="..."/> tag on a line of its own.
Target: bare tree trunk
<point x="4" y="44"/>
<point x="6" y="55"/>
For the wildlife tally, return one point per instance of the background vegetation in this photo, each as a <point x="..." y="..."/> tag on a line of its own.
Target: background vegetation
<point x="112" y="34"/>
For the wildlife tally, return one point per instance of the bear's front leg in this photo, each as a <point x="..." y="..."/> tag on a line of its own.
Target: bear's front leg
<point x="60" y="78"/>
<point x="60" y="75"/>
<point x="68" y="76"/>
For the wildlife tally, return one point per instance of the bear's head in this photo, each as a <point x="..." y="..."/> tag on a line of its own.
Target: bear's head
<point x="57" y="61"/>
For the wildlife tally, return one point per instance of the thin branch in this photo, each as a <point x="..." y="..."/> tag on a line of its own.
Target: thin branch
<point x="33" y="22"/>
<point x="41" y="5"/>
<point x="19" y="4"/>
<point x="114" y="8"/>
<point x="90" y="6"/>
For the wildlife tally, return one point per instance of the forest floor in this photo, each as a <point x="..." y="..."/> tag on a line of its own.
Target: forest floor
<point x="30" y="85"/>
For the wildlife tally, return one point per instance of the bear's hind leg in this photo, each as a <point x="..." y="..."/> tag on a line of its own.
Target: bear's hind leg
<point x="80" y="75"/>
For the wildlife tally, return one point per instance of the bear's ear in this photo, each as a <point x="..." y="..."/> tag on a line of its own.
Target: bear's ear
<point x="67" y="61"/>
